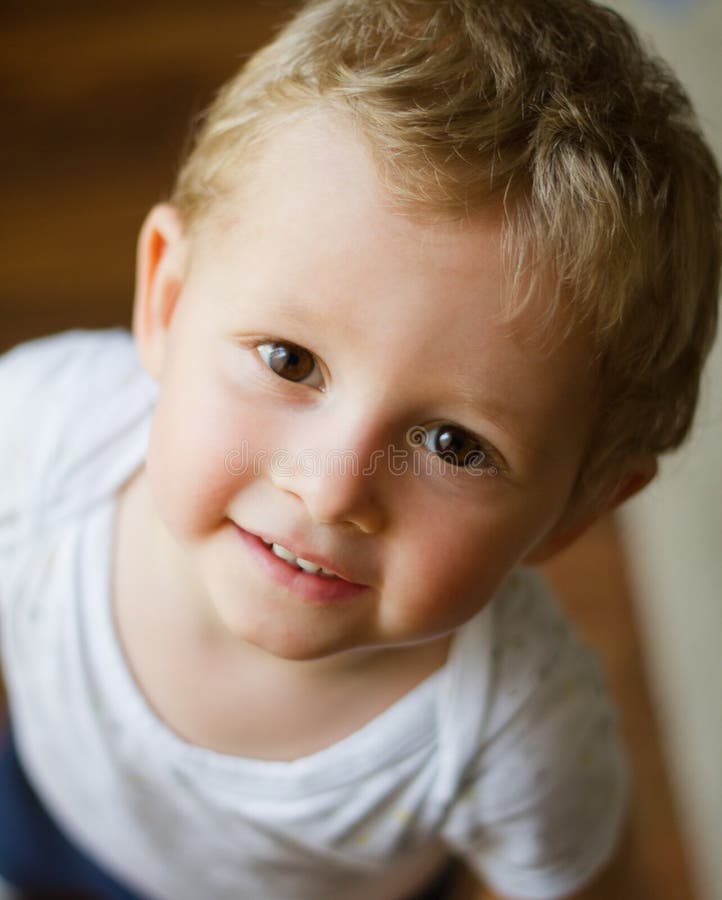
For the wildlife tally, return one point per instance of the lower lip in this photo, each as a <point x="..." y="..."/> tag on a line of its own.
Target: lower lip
<point x="312" y="588"/>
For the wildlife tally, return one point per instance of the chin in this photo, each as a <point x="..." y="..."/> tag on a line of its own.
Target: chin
<point x="298" y="650"/>
<point x="282" y="643"/>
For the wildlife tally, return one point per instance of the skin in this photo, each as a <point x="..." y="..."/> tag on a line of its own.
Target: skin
<point x="399" y="323"/>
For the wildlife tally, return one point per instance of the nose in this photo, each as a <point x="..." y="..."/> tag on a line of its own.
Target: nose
<point x="337" y="480"/>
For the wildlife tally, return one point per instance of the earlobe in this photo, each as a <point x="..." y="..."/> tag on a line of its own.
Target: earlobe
<point x="559" y="538"/>
<point x="634" y="479"/>
<point x="160" y="265"/>
<point x="635" y="476"/>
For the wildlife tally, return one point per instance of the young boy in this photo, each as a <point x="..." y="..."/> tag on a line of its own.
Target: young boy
<point x="433" y="292"/>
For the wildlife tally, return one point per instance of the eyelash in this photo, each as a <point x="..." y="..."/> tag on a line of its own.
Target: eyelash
<point x="478" y="458"/>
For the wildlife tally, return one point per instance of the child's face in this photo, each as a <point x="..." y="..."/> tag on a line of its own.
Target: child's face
<point x="315" y="330"/>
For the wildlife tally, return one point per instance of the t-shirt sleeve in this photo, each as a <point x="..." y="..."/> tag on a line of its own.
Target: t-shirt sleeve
<point x="28" y="373"/>
<point x="65" y="400"/>
<point x="543" y="800"/>
<point x="29" y="376"/>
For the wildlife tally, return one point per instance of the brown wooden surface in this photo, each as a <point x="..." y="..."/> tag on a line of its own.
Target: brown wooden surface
<point x="96" y="101"/>
<point x="590" y="581"/>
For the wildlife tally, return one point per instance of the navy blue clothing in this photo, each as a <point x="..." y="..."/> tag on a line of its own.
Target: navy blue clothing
<point x="35" y="856"/>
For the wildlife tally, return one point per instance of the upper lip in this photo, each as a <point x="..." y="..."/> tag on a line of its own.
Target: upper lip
<point x="309" y="555"/>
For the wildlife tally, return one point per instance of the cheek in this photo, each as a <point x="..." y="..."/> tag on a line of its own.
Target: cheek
<point x="193" y="459"/>
<point x="448" y="570"/>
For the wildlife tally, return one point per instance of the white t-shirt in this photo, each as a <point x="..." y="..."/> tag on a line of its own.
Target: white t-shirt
<point x="507" y="756"/>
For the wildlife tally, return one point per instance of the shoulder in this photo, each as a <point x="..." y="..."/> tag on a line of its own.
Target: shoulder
<point x="541" y="801"/>
<point x="517" y="656"/>
<point x="36" y="373"/>
<point x="63" y="399"/>
<point x="550" y="708"/>
<point x="537" y="656"/>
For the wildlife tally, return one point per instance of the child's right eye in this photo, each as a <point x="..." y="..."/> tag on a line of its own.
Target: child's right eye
<point x="291" y="362"/>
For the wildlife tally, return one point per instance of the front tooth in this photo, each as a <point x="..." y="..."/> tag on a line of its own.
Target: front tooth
<point x="304" y="564"/>
<point x="283" y="553"/>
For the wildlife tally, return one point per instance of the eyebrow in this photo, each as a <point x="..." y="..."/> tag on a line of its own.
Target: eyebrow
<point x="296" y="312"/>
<point x="498" y="414"/>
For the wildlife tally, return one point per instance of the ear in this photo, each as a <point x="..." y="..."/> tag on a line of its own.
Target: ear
<point x="572" y="525"/>
<point x="160" y="267"/>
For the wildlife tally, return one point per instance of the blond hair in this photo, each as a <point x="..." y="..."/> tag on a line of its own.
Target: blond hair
<point x="551" y="107"/>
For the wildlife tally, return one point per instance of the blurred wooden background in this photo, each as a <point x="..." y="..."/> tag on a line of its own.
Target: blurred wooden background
<point x="97" y="101"/>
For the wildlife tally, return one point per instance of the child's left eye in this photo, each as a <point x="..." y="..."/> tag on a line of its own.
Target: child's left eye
<point x="291" y="362"/>
<point x="458" y="448"/>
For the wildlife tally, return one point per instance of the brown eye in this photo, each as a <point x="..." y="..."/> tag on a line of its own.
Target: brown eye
<point x="288" y="360"/>
<point x="458" y="448"/>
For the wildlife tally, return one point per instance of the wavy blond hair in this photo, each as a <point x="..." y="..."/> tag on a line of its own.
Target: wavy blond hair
<point x="552" y="107"/>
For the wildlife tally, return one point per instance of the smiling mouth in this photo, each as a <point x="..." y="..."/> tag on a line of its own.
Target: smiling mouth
<point x="307" y="579"/>
<point x="298" y="562"/>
